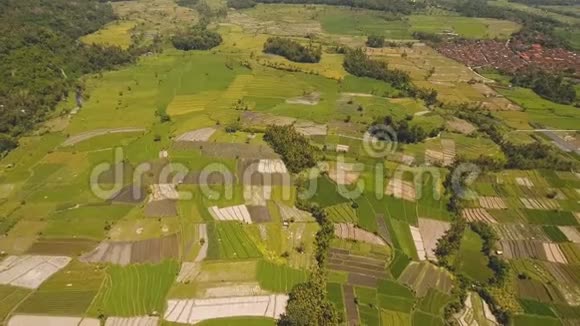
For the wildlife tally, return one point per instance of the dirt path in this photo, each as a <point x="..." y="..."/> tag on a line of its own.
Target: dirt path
<point x="73" y="140"/>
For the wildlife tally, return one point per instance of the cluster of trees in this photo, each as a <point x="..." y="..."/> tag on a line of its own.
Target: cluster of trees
<point x="197" y="38"/>
<point x="396" y="6"/>
<point x="375" y="41"/>
<point x="292" y="50"/>
<point x="241" y="4"/>
<point x="449" y="243"/>
<point x="405" y="133"/>
<point x="536" y="155"/>
<point x="298" y="154"/>
<point x="550" y="86"/>
<point x="536" y="29"/>
<point x="41" y="59"/>
<point x="308" y="303"/>
<point x="357" y="63"/>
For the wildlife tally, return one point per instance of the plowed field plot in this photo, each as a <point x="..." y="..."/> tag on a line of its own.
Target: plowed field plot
<point x="535" y="290"/>
<point x="431" y="231"/>
<point x="238" y="213"/>
<point x="130" y="194"/>
<point x="196" y="310"/>
<point x="203" y="134"/>
<point x="520" y="232"/>
<point x="461" y="126"/>
<point x="308" y="128"/>
<point x="229" y="240"/>
<point x="257" y="172"/>
<point x="131" y="252"/>
<point x="424" y="276"/>
<point x="514" y="249"/>
<point x="363" y="270"/>
<point x="492" y="202"/>
<point x="132" y="321"/>
<point x="418" y="240"/>
<point x="477" y="214"/>
<point x="259" y="214"/>
<point x="351" y="232"/>
<point x="342" y="213"/>
<point x="135" y="290"/>
<point x="524" y="182"/>
<point x="10" y="297"/>
<point x="351" y="306"/>
<point x="448" y="146"/>
<point x="540" y="203"/>
<point x="401" y="189"/>
<point x="571" y="233"/>
<point x="164" y="191"/>
<point x="344" y="173"/>
<point x="69" y="292"/>
<point x="228" y="150"/>
<point x="213" y="178"/>
<point x="30" y="271"/>
<point x="30" y="320"/>
<point x="61" y="247"/>
<point x="257" y="195"/>
<point x="161" y="208"/>
<point x="292" y="213"/>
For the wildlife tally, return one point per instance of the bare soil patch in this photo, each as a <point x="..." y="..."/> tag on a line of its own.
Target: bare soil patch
<point x="202" y="135"/>
<point x="61" y="247"/>
<point x="461" y="126"/>
<point x="351" y="232"/>
<point x="540" y="203"/>
<point x="214" y="178"/>
<point x="524" y="182"/>
<point x="130" y="194"/>
<point x="292" y="213"/>
<point x="257" y="195"/>
<point x="448" y="146"/>
<point x="132" y="321"/>
<point x="34" y="320"/>
<point x="263" y="173"/>
<point x="350" y="304"/>
<point x="73" y="140"/>
<point x="30" y="271"/>
<point x="401" y="189"/>
<point x="228" y="150"/>
<point x="308" y="128"/>
<point x="571" y="233"/>
<point x="129" y="252"/>
<point x="431" y="231"/>
<point x="238" y="213"/>
<point x="492" y="202"/>
<point x="250" y="118"/>
<point x="308" y="99"/>
<point x="259" y="214"/>
<point x="196" y="310"/>
<point x="161" y="208"/>
<point x="418" y="240"/>
<point x="554" y="253"/>
<point x="344" y="173"/>
<point x="477" y="214"/>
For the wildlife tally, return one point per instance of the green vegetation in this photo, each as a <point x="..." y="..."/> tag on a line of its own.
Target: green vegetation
<point x="198" y="38"/>
<point x="359" y="64"/>
<point x="375" y="41"/>
<point x="279" y="278"/>
<point x="294" y="148"/>
<point x="229" y="240"/>
<point x="142" y="292"/>
<point x="292" y="50"/>
<point x="551" y="87"/>
<point x="470" y="259"/>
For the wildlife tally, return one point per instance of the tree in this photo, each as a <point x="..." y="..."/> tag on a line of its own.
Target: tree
<point x="375" y="41"/>
<point x="294" y="148"/>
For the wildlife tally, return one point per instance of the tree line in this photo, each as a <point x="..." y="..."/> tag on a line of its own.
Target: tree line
<point x="550" y="86"/>
<point x="241" y="4"/>
<point x="356" y="62"/>
<point x="41" y="59"/>
<point x="396" y="6"/>
<point x="406" y="133"/>
<point x="292" y="50"/>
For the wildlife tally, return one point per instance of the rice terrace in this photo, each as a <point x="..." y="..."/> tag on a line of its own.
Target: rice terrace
<point x="290" y="162"/>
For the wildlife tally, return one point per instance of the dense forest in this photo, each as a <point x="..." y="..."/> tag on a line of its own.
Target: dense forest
<point x="292" y="50"/>
<point x="197" y="38"/>
<point x="549" y="86"/>
<point x="40" y="59"/>
<point x="395" y="6"/>
<point x="296" y="151"/>
<point x="357" y="63"/>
